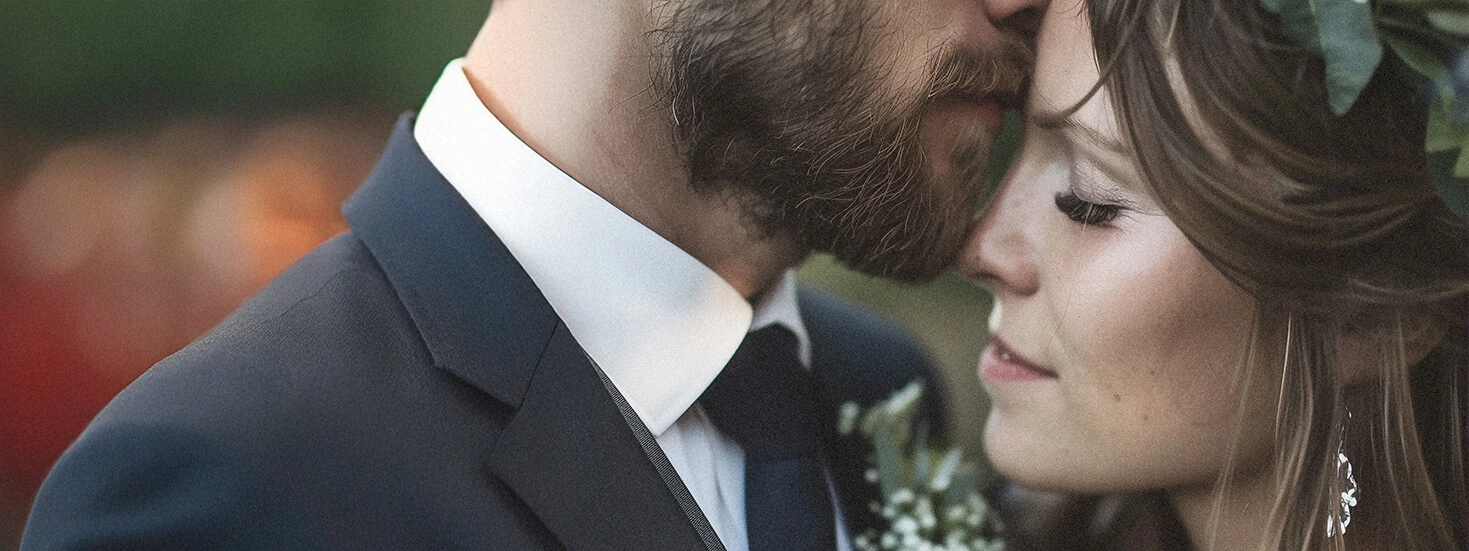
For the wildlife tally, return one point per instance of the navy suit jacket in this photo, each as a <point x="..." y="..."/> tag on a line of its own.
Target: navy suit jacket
<point x="404" y="386"/>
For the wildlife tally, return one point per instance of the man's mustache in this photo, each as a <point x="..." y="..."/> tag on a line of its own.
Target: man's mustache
<point x="1000" y="73"/>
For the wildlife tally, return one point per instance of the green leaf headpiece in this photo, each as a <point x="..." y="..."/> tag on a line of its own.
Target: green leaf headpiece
<point x="1430" y="36"/>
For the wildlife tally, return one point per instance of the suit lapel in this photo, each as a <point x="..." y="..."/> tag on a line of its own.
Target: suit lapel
<point x="480" y="315"/>
<point x="567" y="451"/>
<point x="573" y="459"/>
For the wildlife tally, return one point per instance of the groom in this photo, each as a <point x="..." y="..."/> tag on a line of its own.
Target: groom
<point x="564" y="316"/>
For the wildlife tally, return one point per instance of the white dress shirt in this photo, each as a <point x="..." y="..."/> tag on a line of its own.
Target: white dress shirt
<point x="660" y="323"/>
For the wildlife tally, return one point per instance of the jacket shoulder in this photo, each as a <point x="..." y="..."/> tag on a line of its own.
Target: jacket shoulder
<point x="329" y="326"/>
<point x="863" y="356"/>
<point x="317" y="394"/>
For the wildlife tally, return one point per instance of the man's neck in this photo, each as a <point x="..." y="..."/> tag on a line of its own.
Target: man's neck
<point x="574" y="82"/>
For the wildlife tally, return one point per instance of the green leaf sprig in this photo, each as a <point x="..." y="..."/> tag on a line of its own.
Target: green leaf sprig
<point x="931" y="498"/>
<point x="1430" y="36"/>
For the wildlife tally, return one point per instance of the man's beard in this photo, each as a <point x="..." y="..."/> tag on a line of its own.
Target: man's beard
<point x="786" y="107"/>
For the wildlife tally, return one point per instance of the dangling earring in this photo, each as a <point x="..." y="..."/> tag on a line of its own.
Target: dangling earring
<point x="1341" y="514"/>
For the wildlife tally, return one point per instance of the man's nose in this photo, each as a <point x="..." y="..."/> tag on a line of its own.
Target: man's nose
<point x="1023" y="16"/>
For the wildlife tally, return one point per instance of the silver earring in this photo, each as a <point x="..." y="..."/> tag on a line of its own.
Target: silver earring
<point x="1341" y="514"/>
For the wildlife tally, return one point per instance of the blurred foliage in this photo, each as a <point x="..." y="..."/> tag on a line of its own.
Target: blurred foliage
<point x="72" y="67"/>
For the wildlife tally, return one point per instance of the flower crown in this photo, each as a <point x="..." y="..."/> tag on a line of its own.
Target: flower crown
<point x="1430" y="36"/>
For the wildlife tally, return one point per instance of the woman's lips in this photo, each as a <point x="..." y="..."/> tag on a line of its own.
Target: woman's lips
<point x="1001" y="364"/>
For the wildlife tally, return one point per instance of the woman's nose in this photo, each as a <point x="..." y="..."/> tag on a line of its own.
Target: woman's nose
<point x="999" y="253"/>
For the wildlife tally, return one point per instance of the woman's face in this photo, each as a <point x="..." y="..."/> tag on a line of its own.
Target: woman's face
<point x="1116" y="345"/>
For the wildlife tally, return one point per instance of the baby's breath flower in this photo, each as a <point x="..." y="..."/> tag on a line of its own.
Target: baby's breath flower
<point x="924" y="512"/>
<point x="903" y="496"/>
<point x="847" y="417"/>
<point x="905" y="525"/>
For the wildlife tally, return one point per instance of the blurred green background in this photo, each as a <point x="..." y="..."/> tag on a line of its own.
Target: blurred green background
<point x="76" y="66"/>
<point x="147" y="147"/>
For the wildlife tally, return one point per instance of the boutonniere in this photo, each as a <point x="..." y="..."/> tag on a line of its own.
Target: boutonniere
<point x="930" y="496"/>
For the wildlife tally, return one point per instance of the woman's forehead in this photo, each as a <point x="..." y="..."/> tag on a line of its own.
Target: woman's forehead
<point x="1066" y="74"/>
<point x="1066" y="68"/>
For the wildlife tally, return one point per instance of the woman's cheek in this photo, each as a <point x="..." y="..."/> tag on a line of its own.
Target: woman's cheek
<point x="1143" y="330"/>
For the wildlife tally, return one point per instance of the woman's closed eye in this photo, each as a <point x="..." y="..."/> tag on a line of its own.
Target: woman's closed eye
<point x="1084" y="212"/>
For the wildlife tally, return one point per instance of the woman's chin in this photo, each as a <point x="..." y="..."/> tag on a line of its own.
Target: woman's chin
<point x="1036" y="459"/>
<point x="1014" y="454"/>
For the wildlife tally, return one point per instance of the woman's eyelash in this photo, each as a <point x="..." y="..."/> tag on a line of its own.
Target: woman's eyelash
<point x="1083" y="212"/>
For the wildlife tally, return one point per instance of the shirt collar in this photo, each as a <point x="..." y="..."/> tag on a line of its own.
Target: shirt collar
<point x="660" y="323"/>
<point x="779" y="305"/>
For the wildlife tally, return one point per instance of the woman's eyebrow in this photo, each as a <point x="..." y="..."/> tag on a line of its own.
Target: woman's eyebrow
<point x="1051" y="120"/>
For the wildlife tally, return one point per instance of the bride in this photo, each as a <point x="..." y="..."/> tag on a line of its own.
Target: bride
<point x="1225" y="315"/>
